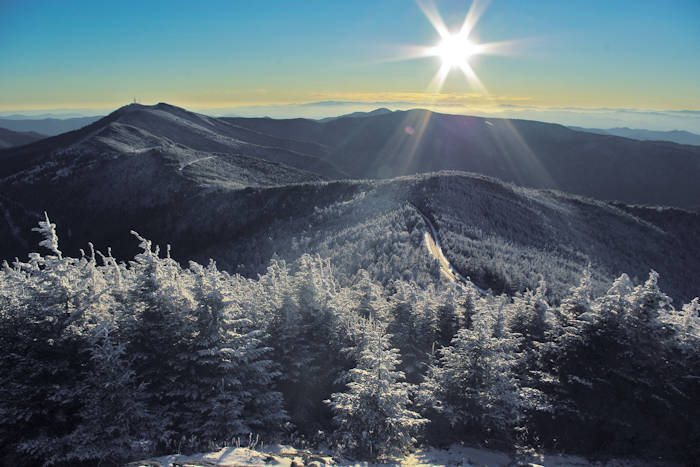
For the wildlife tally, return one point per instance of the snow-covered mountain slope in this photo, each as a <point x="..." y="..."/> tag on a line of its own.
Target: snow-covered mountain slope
<point x="136" y="129"/>
<point x="500" y="236"/>
<point x="137" y="160"/>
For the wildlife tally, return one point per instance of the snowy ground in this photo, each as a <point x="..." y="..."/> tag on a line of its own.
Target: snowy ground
<point x="286" y="456"/>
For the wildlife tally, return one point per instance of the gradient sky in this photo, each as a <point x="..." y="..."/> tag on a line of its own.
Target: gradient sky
<point x="220" y="54"/>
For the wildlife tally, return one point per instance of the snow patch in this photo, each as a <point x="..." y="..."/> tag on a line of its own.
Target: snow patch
<point x="456" y="455"/>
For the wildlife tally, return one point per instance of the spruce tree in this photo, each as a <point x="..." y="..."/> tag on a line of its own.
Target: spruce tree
<point x="227" y="386"/>
<point x="620" y="374"/>
<point x="115" y="422"/>
<point x="155" y="330"/>
<point x="472" y="385"/>
<point x="372" y="416"/>
<point x="44" y="343"/>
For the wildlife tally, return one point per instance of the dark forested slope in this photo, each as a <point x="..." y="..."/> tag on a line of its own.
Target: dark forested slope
<point x="529" y="153"/>
<point x="9" y="138"/>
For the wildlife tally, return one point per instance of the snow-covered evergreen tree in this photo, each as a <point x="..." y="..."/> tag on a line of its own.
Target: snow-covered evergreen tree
<point x="472" y="385"/>
<point x="619" y="371"/>
<point x="373" y="417"/>
<point x="155" y="328"/>
<point x="115" y="422"/>
<point x="577" y="305"/>
<point x="301" y="331"/>
<point x="530" y="318"/>
<point x="227" y="384"/>
<point x="48" y="230"/>
<point x="105" y="362"/>
<point x="689" y="324"/>
<point x="43" y="343"/>
<point x="648" y="302"/>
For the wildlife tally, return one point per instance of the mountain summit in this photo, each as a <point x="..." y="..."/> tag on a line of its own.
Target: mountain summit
<point x="233" y="155"/>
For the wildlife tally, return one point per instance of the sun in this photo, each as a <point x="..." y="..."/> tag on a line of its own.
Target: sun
<point x="455" y="49"/>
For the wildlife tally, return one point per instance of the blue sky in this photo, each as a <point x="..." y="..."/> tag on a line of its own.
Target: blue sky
<point x="223" y="54"/>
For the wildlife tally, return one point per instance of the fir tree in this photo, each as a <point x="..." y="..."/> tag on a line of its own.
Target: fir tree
<point x="619" y="374"/>
<point x="227" y="388"/>
<point x="155" y="329"/>
<point x="115" y="422"/>
<point x="44" y="343"/>
<point x="472" y="385"/>
<point x="372" y="417"/>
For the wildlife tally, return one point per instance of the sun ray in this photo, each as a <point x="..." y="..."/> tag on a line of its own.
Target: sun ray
<point x="430" y="12"/>
<point x="455" y="50"/>
<point x="502" y="47"/>
<point x="473" y="79"/>
<point x="405" y="52"/>
<point x="475" y="11"/>
<point x="438" y="80"/>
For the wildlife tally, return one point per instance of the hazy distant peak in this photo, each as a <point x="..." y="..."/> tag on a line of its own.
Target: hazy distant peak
<point x="674" y="136"/>
<point x="379" y="111"/>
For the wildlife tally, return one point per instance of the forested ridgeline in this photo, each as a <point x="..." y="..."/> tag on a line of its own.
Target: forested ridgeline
<point x="111" y="361"/>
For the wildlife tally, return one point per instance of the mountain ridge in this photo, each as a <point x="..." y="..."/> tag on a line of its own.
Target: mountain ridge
<point x="378" y="111"/>
<point x="47" y="126"/>
<point x="673" y="136"/>
<point x="530" y="153"/>
<point x="10" y="138"/>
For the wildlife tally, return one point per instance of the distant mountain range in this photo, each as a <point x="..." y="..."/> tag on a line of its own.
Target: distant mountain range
<point x="243" y="190"/>
<point x="675" y="136"/>
<point x="528" y="153"/>
<point x="9" y="138"/>
<point x="46" y="126"/>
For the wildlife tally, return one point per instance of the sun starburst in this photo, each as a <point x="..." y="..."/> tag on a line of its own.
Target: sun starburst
<point x="455" y="49"/>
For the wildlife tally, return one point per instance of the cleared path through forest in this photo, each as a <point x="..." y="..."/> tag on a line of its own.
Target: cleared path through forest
<point x="432" y="242"/>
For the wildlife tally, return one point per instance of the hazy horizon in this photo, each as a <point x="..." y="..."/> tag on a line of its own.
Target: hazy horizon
<point x="683" y="120"/>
